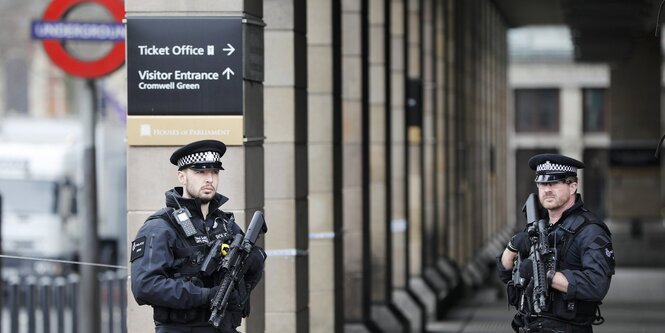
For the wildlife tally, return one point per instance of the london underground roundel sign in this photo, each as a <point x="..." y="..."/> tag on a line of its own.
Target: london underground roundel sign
<point x="56" y="12"/>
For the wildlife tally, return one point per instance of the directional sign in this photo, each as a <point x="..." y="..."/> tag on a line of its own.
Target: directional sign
<point x="184" y="65"/>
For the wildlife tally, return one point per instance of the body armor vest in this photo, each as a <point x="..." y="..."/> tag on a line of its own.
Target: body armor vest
<point x="189" y="254"/>
<point x="574" y="311"/>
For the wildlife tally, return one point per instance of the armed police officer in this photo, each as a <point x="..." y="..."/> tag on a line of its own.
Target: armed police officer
<point x="579" y="277"/>
<point x="168" y="251"/>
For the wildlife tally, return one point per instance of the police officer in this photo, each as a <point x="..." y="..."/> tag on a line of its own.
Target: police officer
<point x="585" y="258"/>
<point x="170" y="247"/>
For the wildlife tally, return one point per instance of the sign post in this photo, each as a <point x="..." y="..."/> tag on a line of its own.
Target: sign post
<point x="185" y="79"/>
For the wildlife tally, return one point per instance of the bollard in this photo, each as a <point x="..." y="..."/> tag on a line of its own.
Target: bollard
<point x="45" y="301"/>
<point x="73" y="300"/>
<point x="14" y="304"/>
<point x="45" y="304"/>
<point x="122" y="300"/>
<point x="30" y="306"/>
<point x="106" y="284"/>
<point x="60" y="301"/>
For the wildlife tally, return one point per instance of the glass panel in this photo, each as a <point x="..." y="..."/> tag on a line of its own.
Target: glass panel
<point x="28" y="196"/>
<point x="594" y="109"/>
<point x="537" y="110"/>
<point x="596" y="163"/>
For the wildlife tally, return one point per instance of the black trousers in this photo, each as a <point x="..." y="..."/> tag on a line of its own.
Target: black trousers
<point x="546" y="325"/>
<point x="184" y="329"/>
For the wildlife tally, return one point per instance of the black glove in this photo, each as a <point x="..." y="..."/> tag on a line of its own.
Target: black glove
<point x="254" y="263"/>
<point x="213" y="291"/>
<point x="526" y="269"/>
<point x="232" y="319"/>
<point x="520" y="243"/>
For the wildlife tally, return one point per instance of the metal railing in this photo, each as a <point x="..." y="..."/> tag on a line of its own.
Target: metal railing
<point x="48" y="304"/>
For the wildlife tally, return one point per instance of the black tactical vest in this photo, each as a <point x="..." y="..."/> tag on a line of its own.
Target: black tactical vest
<point x="189" y="254"/>
<point x="575" y="311"/>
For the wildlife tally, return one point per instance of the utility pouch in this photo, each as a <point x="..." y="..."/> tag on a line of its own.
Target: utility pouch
<point x="565" y="309"/>
<point x="513" y="294"/>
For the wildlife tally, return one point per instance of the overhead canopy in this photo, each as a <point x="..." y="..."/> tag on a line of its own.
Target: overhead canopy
<point x="602" y="30"/>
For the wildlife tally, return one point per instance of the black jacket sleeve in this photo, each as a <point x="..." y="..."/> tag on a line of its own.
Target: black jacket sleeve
<point x="505" y="275"/>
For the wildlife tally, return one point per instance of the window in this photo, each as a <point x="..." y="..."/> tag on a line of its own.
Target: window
<point x="537" y="110"/>
<point x="19" y="196"/>
<point x="596" y="180"/>
<point x="595" y="101"/>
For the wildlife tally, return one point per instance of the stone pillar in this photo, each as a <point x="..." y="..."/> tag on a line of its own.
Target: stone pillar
<point x="377" y="152"/>
<point x="325" y="271"/>
<point x="451" y="131"/>
<point x="379" y="167"/>
<point x="431" y="202"/>
<point x="149" y="173"/>
<point x="440" y="132"/>
<point x="402" y="297"/>
<point x="634" y="177"/>
<point x="286" y="186"/>
<point x="571" y="118"/>
<point x="355" y="201"/>
<point x="428" y="133"/>
<point x="416" y="198"/>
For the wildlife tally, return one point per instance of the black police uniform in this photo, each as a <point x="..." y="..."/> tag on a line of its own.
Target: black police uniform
<point x="584" y="255"/>
<point x="165" y="262"/>
<point x="586" y="258"/>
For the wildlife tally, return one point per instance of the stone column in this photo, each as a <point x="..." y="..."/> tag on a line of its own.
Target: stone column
<point x="355" y="203"/>
<point x="440" y="129"/>
<point x="149" y="173"/>
<point x="433" y="113"/>
<point x="634" y="127"/>
<point x="377" y="151"/>
<point x="451" y="226"/>
<point x="325" y="270"/>
<point x="402" y="298"/>
<point x="286" y="186"/>
<point x="428" y="133"/>
<point x="382" y="311"/>
<point x="416" y="197"/>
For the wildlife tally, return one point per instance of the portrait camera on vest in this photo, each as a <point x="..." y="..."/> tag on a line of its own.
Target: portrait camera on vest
<point x="199" y="155"/>
<point x="552" y="168"/>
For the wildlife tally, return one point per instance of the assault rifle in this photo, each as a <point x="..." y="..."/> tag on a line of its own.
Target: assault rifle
<point x="233" y="265"/>
<point x="543" y="259"/>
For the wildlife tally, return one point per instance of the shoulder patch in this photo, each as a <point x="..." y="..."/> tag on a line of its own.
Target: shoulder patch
<point x="600" y="241"/>
<point x="138" y="248"/>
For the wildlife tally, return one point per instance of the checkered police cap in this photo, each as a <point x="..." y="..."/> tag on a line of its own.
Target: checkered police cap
<point x="199" y="155"/>
<point x="554" y="167"/>
<point x="548" y="167"/>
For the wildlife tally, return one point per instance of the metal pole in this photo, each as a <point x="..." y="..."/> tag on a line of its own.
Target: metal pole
<point x="109" y="279"/>
<point x="73" y="282"/>
<point x="14" y="304"/>
<point x="60" y="301"/>
<point x="121" y="278"/>
<point x="30" y="296"/>
<point x="45" y="300"/>
<point x="2" y="293"/>
<point x="89" y="307"/>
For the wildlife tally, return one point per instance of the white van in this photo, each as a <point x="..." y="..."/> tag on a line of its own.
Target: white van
<point x="37" y="183"/>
